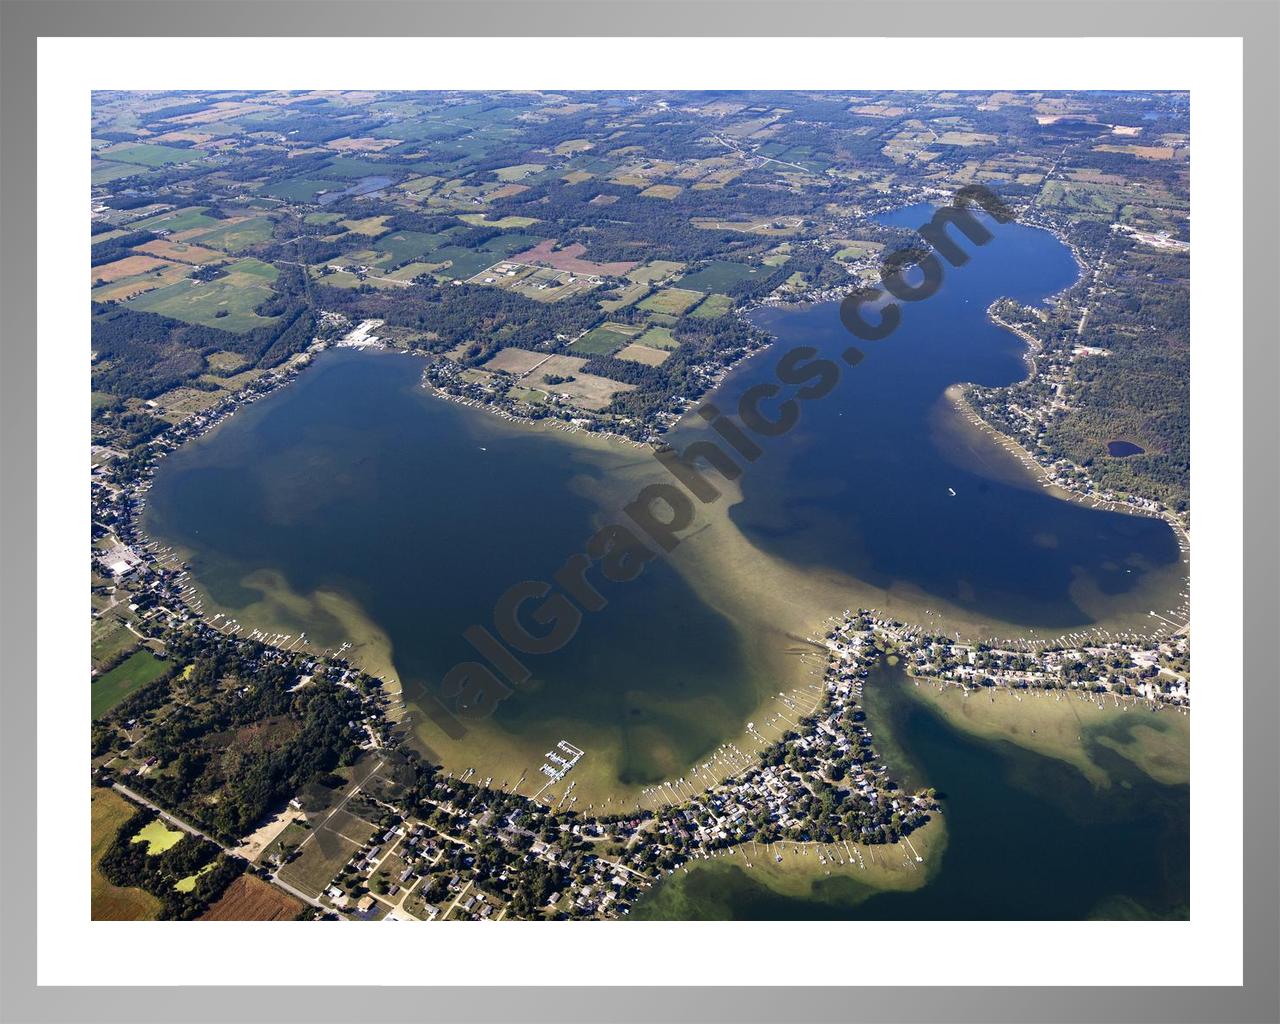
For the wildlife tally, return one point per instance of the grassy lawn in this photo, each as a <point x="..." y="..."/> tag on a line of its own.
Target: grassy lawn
<point x="110" y="688"/>
<point x="159" y="837"/>
<point x="189" y="883"/>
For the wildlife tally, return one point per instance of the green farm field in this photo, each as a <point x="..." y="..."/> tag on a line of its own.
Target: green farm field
<point x="176" y="221"/>
<point x="670" y="301"/>
<point x="714" y="305"/>
<point x="301" y="190"/>
<point x="237" y="236"/>
<point x="246" y="285"/>
<point x="131" y="675"/>
<point x="717" y="275"/>
<point x="602" y="341"/>
<point x="149" y="154"/>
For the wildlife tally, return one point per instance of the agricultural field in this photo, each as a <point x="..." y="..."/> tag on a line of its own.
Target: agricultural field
<point x="670" y="301"/>
<point x="149" y="154"/>
<point x="638" y="353"/>
<point x="237" y="236"/>
<point x="714" y="305"/>
<point x="603" y="340"/>
<point x="518" y="171"/>
<point x="717" y="276"/>
<point x="509" y="223"/>
<point x="101" y="172"/>
<point x="131" y="675"/>
<point x="130" y="266"/>
<point x="654" y="271"/>
<point x="658" y="337"/>
<point x="246" y="285"/>
<point x="410" y="245"/>
<point x="570" y="258"/>
<point x="517" y="361"/>
<point x="353" y="167"/>
<point x="302" y="190"/>
<point x="416" y="186"/>
<point x="178" y="404"/>
<point x="412" y="270"/>
<point x="251" y="899"/>
<point x="108" y="813"/>
<point x="623" y="297"/>
<point x="325" y="850"/>
<point x="773" y="227"/>
<point x="108" y="638"/>
<point x="181" y="252"/>
<point x="370" y="226"/>
<point x="586" y="389"/>
<point x="662" y="191"/>
<point x="852" y="249"/>
<point x="177" y="221"/>
<point x="127" y="287"/>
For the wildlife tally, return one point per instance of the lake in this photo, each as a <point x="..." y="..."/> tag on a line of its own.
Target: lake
<point x="881" y="481"/>
<point x="1028" y="836"/>
<point x="356" y="507"/>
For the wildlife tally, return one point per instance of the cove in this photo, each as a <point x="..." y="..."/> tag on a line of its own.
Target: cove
<point x="1028" y="836"/>
<point x="877" y="480"/>
<point x="355" y="506"/>
<point x="415" y="514"/>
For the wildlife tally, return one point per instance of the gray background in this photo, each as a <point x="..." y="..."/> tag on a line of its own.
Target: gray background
<point x="21" y="23"/>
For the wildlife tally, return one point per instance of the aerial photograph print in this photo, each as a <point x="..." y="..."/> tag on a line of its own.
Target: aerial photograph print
<point x="640" y="505"/>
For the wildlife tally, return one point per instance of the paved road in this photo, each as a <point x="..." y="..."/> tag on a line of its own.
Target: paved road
<point x="192" y="830"/>
<point x="166" y="815"/>
<point x="297" y="892"/>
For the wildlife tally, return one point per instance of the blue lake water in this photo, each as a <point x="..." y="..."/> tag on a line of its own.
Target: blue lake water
<point x="420" y="512"/>
<point x="865" y="484"/>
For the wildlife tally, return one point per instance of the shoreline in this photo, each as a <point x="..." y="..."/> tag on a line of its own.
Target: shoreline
<point x="827" y="592"/>
<point x="715" y="568"/>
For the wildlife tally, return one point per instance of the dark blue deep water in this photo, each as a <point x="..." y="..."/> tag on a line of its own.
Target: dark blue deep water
<point x="421" y="512"/>
<point x="863" y="484"/>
